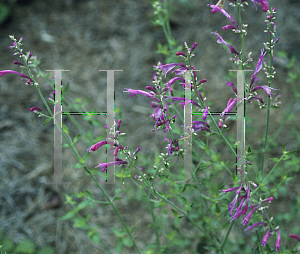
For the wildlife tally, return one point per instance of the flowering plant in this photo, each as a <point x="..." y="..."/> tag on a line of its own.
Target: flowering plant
<point x="247" y="208"/>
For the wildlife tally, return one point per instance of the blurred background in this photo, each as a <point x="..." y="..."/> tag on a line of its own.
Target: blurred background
<point x="87" y="36"/>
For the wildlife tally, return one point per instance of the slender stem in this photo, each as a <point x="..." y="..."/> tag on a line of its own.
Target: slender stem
<point x="226" y="236"/>
<point x="268" y="175"/>
<point x="115" y="209"/>
<point x="268" y="110"/>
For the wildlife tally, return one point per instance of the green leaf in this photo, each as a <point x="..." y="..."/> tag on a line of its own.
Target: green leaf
<point x="288" y="155"/>
<point x="68" y="215"/>
<point x="78" y="165"/>
<point x="88" y="193"/>
<point x="80" y="223"/>
<point x="249" y="150"/>
<point x="127" y="242"/>
<point x="65" y="129"/>
<point x="264" y="189"/>
<point x="259" y="176"/>
<point x="69" y="200"/>
<point x="176" y="222"/>
<point x="175" y="213"/>
<point x="283" y="148"/>
<point x="76" y="138"/>
<point x="46" y="250"/>
<point x="47" y="121"/>
<point x="86" y="156"/>
<point x="116" y="198"/>
<point x="65" y="145"/>
<point x="182" y="200"/>
<point x="96" y="238"/>
<point x="83" y="204"/>
<point x="275" y="159"/>
<point x="26" y="247"/>
<point x="117" y="191"/>
<point x="65" y="90"/>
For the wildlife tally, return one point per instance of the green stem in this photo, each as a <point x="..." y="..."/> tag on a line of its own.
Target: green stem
<point x="115" y="209"/>
<point x="268" y="175"/>
<point x="226" y="236"/>
<point x="268" y="110"/>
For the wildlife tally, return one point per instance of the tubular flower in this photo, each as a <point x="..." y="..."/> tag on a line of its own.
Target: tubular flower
<point x="231" y="206"/>
<point x="216" y="8"/>
<point x="134" y="92"/>
<point x="34" y="109"/>
<point x="247" y="218"/>
<point x="263" y="3"/>
<point x="254" y="225"/>
<point x="265" y="238"/>
<point x="99" y="144"/>
<point x="103" y="166"/>
<point x="295" y="237"/>
<point x="221" y="41"/>
<point x="277" y="246"/>
<point x="200" y="125"/>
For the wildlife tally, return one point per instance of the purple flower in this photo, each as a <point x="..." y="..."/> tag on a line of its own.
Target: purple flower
<point x="295" y="237"/>
<point x="277" y="246"/>
<point x="193" y="47"/>
<point x="118" y="125"/>
<point x="263" y="3"/>
<point x="229" y="190"/>
<point x="103" y="166"/>
<point x="168" y="67"/>
<point x="267" y="89"/>
<point x="18" y="63"/>
<point x="201" y="81"/>
<point x="200" y="125"/>
<point x="247" y="218"/>
<point x="221" y="41"/>
<point x="14" y="72"/>
<point x="254" y="225"/>
<point x="180" y="53"/>
<point x="265" y="238"/>
<point x="136" y="151"/>
<point x="184" y="101"/>
<point x="134" y="92"/>
<point x="117" y="149"/>
<point x="228" y="27"/>
<point x="267" y="200"/>
<point x="232" y="85"/>
<point x="34" y="109"/>
<point x="231" y="206"/>
<point x="216" y="8"/>
<point x="258" y="98"/>
<point x="205" y="113"/>
<point x="171" y="148"/>
<point x="171" y="82"/>
<point x="229" y="107"/>
<point x="98" y="145"/>
<point x="258" y="67"/>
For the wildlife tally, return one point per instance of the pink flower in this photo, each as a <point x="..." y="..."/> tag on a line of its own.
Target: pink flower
<point x="295" y="237"/>
<point x="99" y="144"/>
<point x="34" y="109"/>
<point x="103" y="166"/>
<point x="265" y="238"/>
<point x="263" y="3"/>
<point x="14" y="72"/>
<point x="277" y="240"/>
<point x="221" y="41"/>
